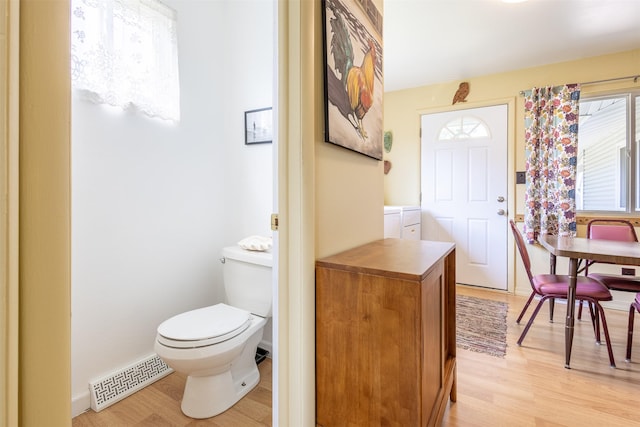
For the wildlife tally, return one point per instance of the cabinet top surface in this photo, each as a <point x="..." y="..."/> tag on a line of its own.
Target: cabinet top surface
<point x="398" y="257"/>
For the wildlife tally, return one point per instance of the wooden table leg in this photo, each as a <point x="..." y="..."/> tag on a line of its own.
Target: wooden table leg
<point x="571" y="307"/>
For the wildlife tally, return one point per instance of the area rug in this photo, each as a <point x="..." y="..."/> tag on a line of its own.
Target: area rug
<point x="481" y="325"/>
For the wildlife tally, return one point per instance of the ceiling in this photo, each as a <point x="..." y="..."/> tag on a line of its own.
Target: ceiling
<point x="434" y="41"/>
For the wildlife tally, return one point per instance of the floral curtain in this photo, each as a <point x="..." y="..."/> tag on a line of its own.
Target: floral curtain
<point x="551" y="150"/>
<point x="125" y="53"/>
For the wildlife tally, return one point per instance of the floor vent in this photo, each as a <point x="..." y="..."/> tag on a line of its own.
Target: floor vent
<point x="113" y="388"/>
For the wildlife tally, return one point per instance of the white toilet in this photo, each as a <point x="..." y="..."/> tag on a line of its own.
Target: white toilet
<point x="216" y="345"/>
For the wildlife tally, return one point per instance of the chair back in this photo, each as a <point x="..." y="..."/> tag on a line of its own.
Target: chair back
<point x="619" y="230"/>
<point x="524" y="254"/>
<point x="611" y="229"/>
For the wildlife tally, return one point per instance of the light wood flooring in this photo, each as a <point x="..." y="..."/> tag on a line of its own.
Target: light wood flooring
<point x="529" y="387"/>
<point x="158" y="405"/>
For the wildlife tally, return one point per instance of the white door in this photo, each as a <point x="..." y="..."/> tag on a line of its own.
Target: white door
<point x="464" y="190"/>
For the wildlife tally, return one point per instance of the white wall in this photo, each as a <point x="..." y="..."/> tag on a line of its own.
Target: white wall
<point x="153" y="204"/>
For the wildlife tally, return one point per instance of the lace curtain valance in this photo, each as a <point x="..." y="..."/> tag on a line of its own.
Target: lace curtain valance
<point x="124" y="53"/>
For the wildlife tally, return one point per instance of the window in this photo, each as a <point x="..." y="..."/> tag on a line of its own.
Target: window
<point x="124" y="53"/>
<point x="609" y="154"/>
<point x="464" y="127"/>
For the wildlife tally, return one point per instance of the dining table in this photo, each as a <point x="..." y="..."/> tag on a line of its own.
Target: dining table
<point x="582" y="248"/>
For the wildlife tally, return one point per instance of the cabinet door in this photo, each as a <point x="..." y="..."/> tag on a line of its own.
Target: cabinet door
<point x="411" y="232"/>
<point x="392" y="225"/>
<point x="367" y="350"/>
<point x="411" y="216"/>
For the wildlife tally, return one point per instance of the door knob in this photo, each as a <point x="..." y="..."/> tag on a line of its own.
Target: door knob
<point x="500" y="199"/>
<point x="501" y="212"/>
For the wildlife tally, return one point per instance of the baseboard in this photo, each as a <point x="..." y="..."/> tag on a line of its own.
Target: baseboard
<point x="80" y="403"/>
<point x="621" y="301"/>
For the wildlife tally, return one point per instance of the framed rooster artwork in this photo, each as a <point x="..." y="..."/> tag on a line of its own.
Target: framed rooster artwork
<point x="353" y="82"/>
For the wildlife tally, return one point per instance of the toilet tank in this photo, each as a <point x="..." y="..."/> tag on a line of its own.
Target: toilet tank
<point x="247" y="279"/>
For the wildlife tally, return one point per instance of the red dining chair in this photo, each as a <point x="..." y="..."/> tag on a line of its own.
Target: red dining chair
<point x="635" y="305"/>
<point x="619" y="230"/>
<point x="552" y="286"/>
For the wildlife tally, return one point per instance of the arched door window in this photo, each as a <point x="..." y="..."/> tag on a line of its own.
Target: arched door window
<point x="463" y="127"/>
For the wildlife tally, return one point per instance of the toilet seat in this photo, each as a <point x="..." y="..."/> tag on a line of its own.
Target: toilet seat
<point x="203" y="327"/>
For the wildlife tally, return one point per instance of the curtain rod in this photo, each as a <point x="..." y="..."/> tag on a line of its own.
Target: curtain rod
<point x="635" y="80"/>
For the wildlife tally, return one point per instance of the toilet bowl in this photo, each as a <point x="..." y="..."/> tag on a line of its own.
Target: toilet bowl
<point x="215" y="346"/>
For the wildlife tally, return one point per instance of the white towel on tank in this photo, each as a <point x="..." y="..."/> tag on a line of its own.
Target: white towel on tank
<point x="256" y="243"/>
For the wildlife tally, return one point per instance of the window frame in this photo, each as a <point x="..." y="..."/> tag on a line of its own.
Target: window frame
<point x="632" y="128"/>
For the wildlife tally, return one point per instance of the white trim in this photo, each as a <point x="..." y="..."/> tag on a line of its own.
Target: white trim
<point x="276" y="153"/>
<point x="9" y="218"/>
<point x="294" y="367"/>
<point x="80" y="403"/>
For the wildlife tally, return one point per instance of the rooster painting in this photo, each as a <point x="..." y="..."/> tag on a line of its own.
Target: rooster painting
<point x="357" y="81"/>
<point x="351" y="82"/>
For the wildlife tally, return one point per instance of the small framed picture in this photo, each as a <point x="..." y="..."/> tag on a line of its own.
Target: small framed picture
<point x="258" y="126"/>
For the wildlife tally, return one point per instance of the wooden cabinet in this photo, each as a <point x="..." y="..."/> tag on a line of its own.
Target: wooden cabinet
<point x="385" y="334"/>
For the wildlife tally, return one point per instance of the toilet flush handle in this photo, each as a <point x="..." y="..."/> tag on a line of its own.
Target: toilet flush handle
<point x="223" y="260"/>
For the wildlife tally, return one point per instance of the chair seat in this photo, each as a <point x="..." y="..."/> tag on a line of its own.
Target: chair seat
<point x="553" y="284"/>
<point x="618" y="282"/>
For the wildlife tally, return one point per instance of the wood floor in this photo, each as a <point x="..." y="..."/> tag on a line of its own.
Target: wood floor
<point x="158" y="405"/>
<point x="529" y="387"/>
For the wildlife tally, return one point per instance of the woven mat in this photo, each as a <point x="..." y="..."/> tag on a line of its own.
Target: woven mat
<point x="481" y="325"/>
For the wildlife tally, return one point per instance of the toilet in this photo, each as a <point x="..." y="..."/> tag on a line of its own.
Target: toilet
<point x="215" y="346"/>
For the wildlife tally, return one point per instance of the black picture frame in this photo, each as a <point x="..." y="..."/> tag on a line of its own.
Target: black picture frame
<point x="258" y="126"/>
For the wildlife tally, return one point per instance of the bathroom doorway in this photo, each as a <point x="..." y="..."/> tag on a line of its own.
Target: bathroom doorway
<point x="154" y="203"/>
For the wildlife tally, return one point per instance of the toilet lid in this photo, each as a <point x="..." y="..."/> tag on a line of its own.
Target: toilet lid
<point x="204" y="326"/>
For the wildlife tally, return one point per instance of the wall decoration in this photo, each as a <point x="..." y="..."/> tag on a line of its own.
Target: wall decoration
<point x="387" y="166"/>
<point x="258" y="126"/>
<point x="388" y="141"/>
<point x="353" y="75"/>
<point x="461" y="93"/>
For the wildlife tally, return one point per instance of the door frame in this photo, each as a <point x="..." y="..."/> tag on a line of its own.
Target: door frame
<point x="9" y="171"/>
<point x="512" y="192"/>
